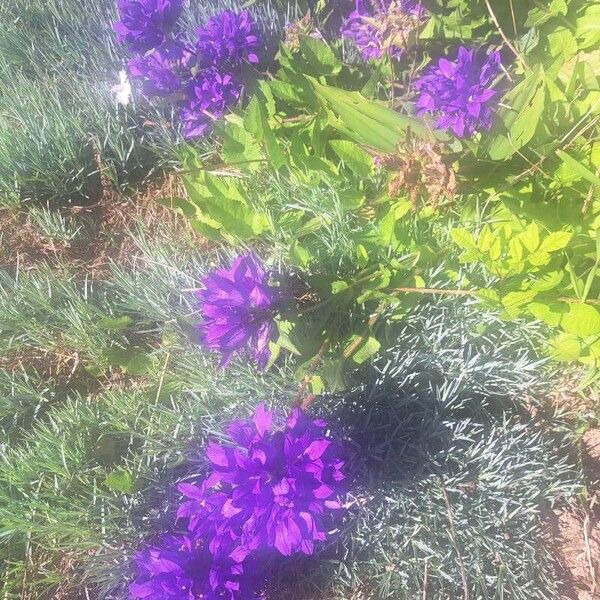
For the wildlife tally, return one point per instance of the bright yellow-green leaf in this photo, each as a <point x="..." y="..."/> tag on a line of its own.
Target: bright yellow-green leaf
<point x="463" y="238"/>
<point x="581" y="320"/>
<point x="531" y="237"/>
<point x="555" y="241"/>
<point x="549" y="313"/>
<point x="565" y="347"/>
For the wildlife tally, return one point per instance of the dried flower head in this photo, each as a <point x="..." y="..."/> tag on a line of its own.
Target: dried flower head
<point x="418" y="170"/>
<point x="237" y="306"/>
<point x="383" y="27"/>
<point x="304" y="26"/>
<point x="459" y="92"/>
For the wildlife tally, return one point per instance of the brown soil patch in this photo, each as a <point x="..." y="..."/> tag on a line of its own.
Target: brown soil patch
<point x="572" y="534"/>
<point x="590" y="451"/>
<point x="107" y="224"/>
<point x="573" y="539"/>
<point x="567" y="400"/>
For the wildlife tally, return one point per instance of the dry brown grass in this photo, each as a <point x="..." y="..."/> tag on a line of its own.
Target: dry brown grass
<point x="24" y="247"/>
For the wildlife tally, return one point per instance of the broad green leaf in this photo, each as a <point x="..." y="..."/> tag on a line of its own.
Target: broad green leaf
<point x="319" y="55"/>
<point x="352" y="199"/>
<point x="139" y="365"/>
<point x="486" y="238"/>
<point x="186" y="208"/>
<point x="588" y="27"/>
<point x="463" y="238"/>
<point x="488" y="296"/>
<point x="582" y="320"/>
<point x="120" y="481"/>
<point x="555" y="241"/>
<point x="539" y="258"/>
<point x="540" y="14"/>
<point x="334" y="374"/>
<point x="562" y="46"/>
<point x="256" y="121"/>
<point x="353" y="156"/>
<point x="367" y="121"/>
<point x="239" y="147"/>
<point x="337" y="287"/>
<point x="514" y="301"/>
<point x="234" y="218"/>
<point x="367" y="349"/>
<point x="115" y="323"/>
<point x="362" y="256"/>
<point x="519" y="116"/>
<point x="299" y="255"/>
<point x="118" y="356"/>
<point x="548" y="281"/>
<point x="548" y="313"/>
<point x="286" y="91"/>
<point x="580" y="170"/>
<point x="565" y="347"/>
<point x="317" y="385"/>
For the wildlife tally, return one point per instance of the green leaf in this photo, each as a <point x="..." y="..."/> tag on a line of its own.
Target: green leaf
<point x="333" y="373"/>
<point x="588" y="27"/>
<point x="367" y="121"/>
<point x="186" y="208"/>
<point x="539" y="15"/>
<point x="119" y="357"/>
<point x="519" y="116"/>
<point x="140" y="364"/>
<point x="286" y="91"/>
<point x="353" y="156"/>
<point x="120" y="481"/>
<point x="299" y="256"/>
<point x="463" y="238"/>
<point x="367" y="349"/>
<point x="555" y="241"/>
<point x="580" y="170"/>
<point x="256" y="121"/>
<point x="565" y="347"/>
<point x="548" y="281"/>
<point x="531" y="237"/>
<point x="548" y="313"/>
<point x="362" y="256"/>
<point x="114" y="323"/>
<point x="319" y="55"/>
<point x="582" y="320"/>
<point x="240" y="147"/>
<point x="337" y="287"/>
<point x="514" y="301"/>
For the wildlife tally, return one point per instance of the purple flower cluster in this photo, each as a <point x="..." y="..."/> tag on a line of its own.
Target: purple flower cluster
<point x="459" y="92"/>
<point x="145" y="24"/>
<point x="228" y="40"/>
<point x="382" y="27"/>
<point x="272" y="491"/>
<point x="237" y="306"/>
<point x="203" y="78"/>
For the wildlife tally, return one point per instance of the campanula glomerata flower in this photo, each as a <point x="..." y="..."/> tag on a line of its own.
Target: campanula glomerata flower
<point x="145" y="24"/>
<point x="237" y="305"/>
<point x="228" y="39"/>
<point x="459" y="92"/>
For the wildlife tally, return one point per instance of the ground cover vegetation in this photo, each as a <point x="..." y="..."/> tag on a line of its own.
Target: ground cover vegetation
<point x="313" y="355"/>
